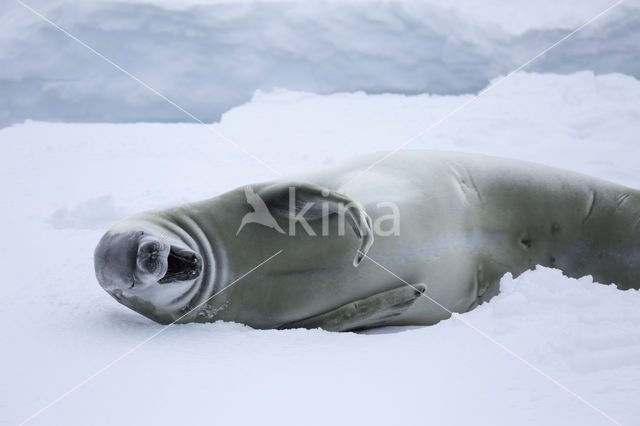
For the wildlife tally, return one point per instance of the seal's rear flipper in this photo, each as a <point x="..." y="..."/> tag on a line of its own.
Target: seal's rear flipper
<point x="373" y="311"/>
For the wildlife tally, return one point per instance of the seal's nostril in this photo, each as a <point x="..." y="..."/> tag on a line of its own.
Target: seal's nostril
<point x="150" y="257"/>
<point x="150" y="247"/>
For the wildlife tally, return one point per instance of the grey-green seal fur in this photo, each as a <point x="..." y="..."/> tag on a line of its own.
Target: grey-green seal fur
<point x="465" y="220"/>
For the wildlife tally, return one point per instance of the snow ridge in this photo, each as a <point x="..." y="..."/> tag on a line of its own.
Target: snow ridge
<point x="210" y="56"/>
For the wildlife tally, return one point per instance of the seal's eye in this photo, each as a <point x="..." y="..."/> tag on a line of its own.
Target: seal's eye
<point x="133" y="282"/>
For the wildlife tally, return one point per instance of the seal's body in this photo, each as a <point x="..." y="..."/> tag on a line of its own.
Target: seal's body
<point x="462" y="221"/>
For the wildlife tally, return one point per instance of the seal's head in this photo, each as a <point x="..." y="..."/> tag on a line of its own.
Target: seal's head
<point x="149" y="274"/>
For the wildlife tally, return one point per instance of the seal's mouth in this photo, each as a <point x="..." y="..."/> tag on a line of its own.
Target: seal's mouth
<point x="182" y="265"/>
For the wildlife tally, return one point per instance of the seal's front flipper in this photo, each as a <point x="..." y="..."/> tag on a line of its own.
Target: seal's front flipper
<point x="307" y="201"/>
<point x="373" y="311"/>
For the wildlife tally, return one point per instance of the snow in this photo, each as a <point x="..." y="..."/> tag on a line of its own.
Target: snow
<point x="64" y="184"/>
<point x="209" y="56"/>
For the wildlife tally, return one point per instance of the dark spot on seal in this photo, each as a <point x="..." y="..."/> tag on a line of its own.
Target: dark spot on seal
<point x="526" y="242"/>
<point x="600" y="255"/>
<point x="555" y="228"/>
<point x="552" y="259"/>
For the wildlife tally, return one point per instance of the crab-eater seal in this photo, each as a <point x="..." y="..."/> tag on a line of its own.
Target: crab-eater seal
<point x="464" y="220"/>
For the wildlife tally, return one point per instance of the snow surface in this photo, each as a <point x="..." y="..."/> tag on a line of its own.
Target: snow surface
<point x="63" y="185"/>
<point x="209" y="56"/>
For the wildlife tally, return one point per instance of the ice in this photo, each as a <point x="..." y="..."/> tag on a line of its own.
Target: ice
<point x="63" y="185"/>
<point x="209" y="56"/>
